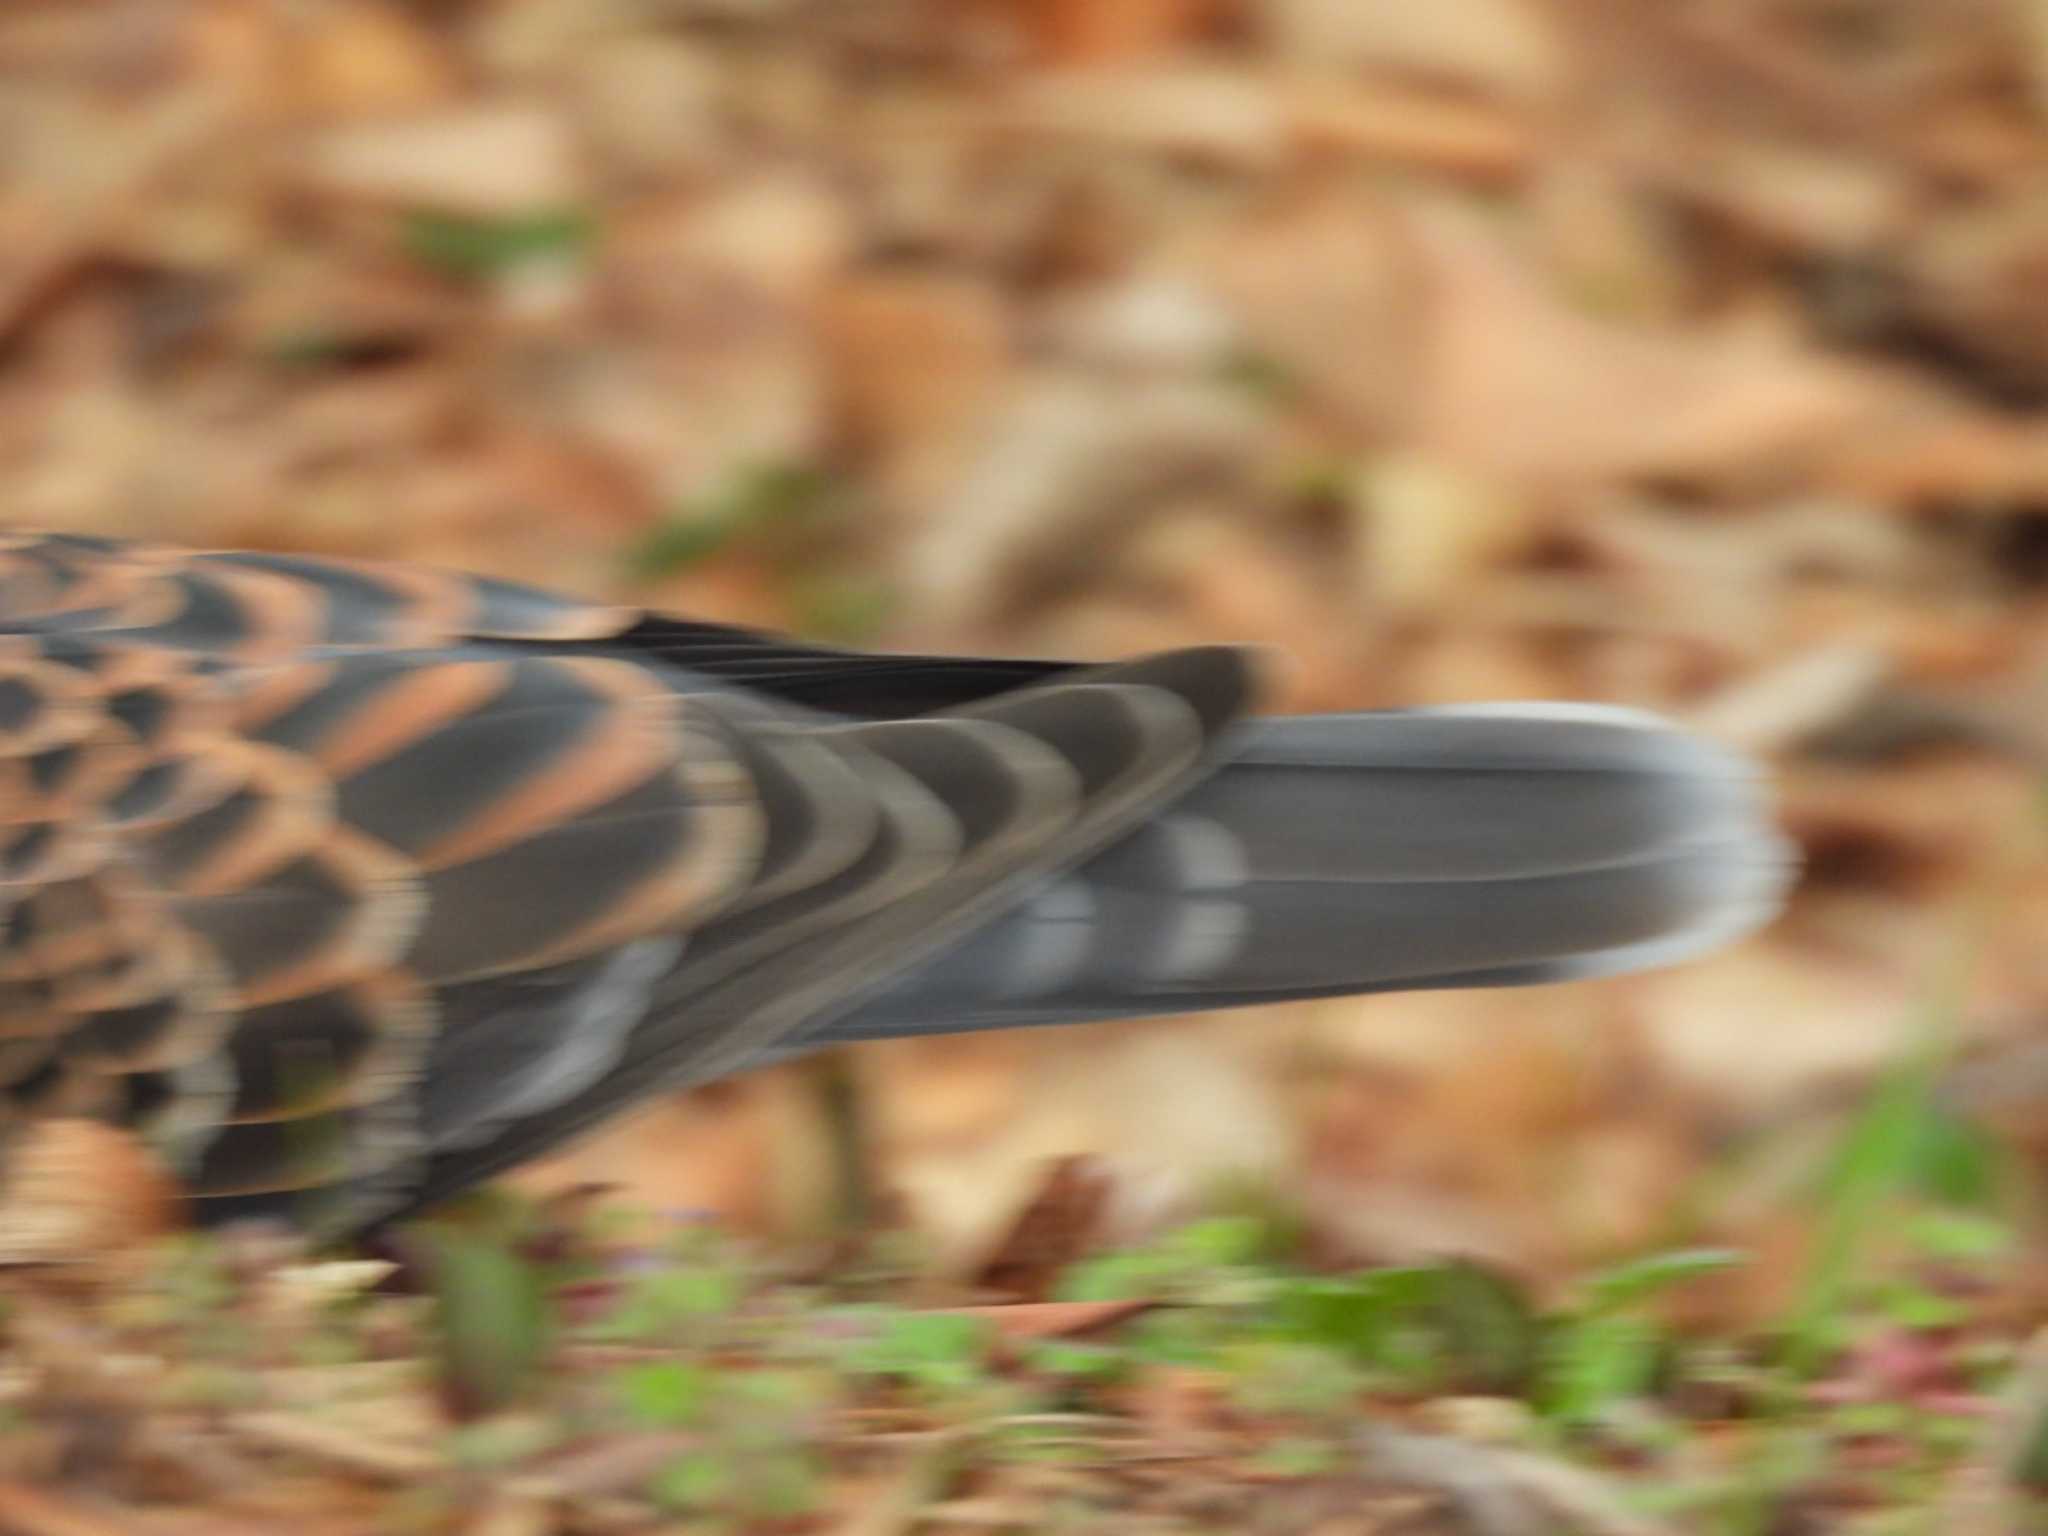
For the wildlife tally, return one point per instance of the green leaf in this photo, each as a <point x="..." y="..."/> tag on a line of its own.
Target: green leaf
<point x="663" y="1393"/>
<point x="1220" y="1241"/>
<point x="1077" y="1362"/>
<point x="1457" y="1317"/>
<point x="666" y="1303"/>
<point x="1299" y="1456"/>
<point x="764" y="498"/>
<point x="1596" y="1362"/>
<point x="844" y="609"/>
<point x="2030" y="1466"/>
<point x="1956" y="1161"/>
<point x="1275" y="1377"/>
<point x="1638" y="1280"/>
<point x="1115" y="1277"/>
<point x="1259" y="374"/>
<point x="1871" y="1168"/>
<point x="494" y="1321"/>
<point x="309" y="348"/>
<point x="783" y="1486"/>
<point x="475" y="248"/>
<point x="699" y="1480"/>
<point x="937" y="1350"/>
<point x="1491" y="1331"/>
<point x="1961" y="1236"/>
<point x="1916" y="1307"/>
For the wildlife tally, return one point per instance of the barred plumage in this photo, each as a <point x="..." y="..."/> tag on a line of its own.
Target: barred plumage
<point x="349" y="884"/>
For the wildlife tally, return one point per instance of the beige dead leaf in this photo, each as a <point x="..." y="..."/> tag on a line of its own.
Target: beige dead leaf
<point x="1095" y="1092"/>
<point x="1516" y="381"/>
<point x="1769" y="1023"/>
<point x="653" y="105"/>
<point x="714" y="1152"/>
<point x="1809" y="200"/>
<point x="484" y="158"/>
<point x="1213" y="113"/>
<point x="1155" y="321"/>
<point x="72" y="170"/>
<point x="1324" y="287"/>
<point x="785" y="233"/>
<point x="1067" y="464"/>
<point x="1471" y="666"/>
<point x="1599" y="231"/>
<point x="1508" y="47"/>
<point x="1792" y="701"/>
<point x="1407" y="124"/>
<point x="1423" y="528"/>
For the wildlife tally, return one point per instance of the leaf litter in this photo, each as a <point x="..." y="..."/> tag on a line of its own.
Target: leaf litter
<point x="1684" y="356"/>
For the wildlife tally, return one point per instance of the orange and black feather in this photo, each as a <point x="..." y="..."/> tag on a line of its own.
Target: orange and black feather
<point x="350" y="884"/>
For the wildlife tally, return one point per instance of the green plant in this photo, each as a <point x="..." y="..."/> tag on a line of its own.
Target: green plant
<point x="475" y="248"/>
<point x="494" y="1320"/>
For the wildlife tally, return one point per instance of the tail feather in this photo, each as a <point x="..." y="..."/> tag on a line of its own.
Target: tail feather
<point x="1489" y="846"/>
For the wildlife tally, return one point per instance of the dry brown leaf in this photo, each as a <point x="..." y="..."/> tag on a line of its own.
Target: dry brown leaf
<point x="1109" y="31"/>
<point x="1325" y="287"/>
<point x="1507" y="47"/>
<point x="916" y="364"/>
<point x="1516" y="381"/>
<point x="1060" y="1225"/>
<point x="75" y="169"/>
<point x="1975" y="275"/>
<point x="1405" y="124"/>
<point x="1019" y="1321"/>
<point x="31" y="1511"/>
<point x="711" y="1152"/>
<point x="1215" y="114"/>
<point x="79" y="1192"/>
<point x="362" y="58"/>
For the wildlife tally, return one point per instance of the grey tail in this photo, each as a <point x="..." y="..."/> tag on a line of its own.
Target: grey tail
<point x="1498" y="845"/>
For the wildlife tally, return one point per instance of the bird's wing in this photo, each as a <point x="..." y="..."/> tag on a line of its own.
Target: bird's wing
<point x="350" y="883"/>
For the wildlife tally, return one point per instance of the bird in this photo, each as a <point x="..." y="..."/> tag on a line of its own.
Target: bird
<point x="348" y="885"/>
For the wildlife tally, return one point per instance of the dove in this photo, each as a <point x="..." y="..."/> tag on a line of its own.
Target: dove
<point x="348" y="885"/>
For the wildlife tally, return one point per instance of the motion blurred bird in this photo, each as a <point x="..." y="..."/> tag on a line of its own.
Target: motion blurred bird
<point x="348" y="885"/>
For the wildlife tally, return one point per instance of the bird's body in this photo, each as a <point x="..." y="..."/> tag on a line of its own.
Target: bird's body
<point x="350" y="885"/>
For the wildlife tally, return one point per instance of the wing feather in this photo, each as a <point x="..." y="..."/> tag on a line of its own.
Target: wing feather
<point x="352" y="882"/>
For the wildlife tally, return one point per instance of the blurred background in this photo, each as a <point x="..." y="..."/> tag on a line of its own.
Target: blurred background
<point x="1686" y="355"/>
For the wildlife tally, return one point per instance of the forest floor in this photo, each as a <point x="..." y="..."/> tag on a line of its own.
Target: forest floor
<point x="1691" y="356"/>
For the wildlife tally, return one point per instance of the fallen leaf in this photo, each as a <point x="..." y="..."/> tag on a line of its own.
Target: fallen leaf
<point x="1516" y="381"/>
<point x="1018" y="1321"/>
<point x="1059" y="1225"/>
<point x="485" y="159"/>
